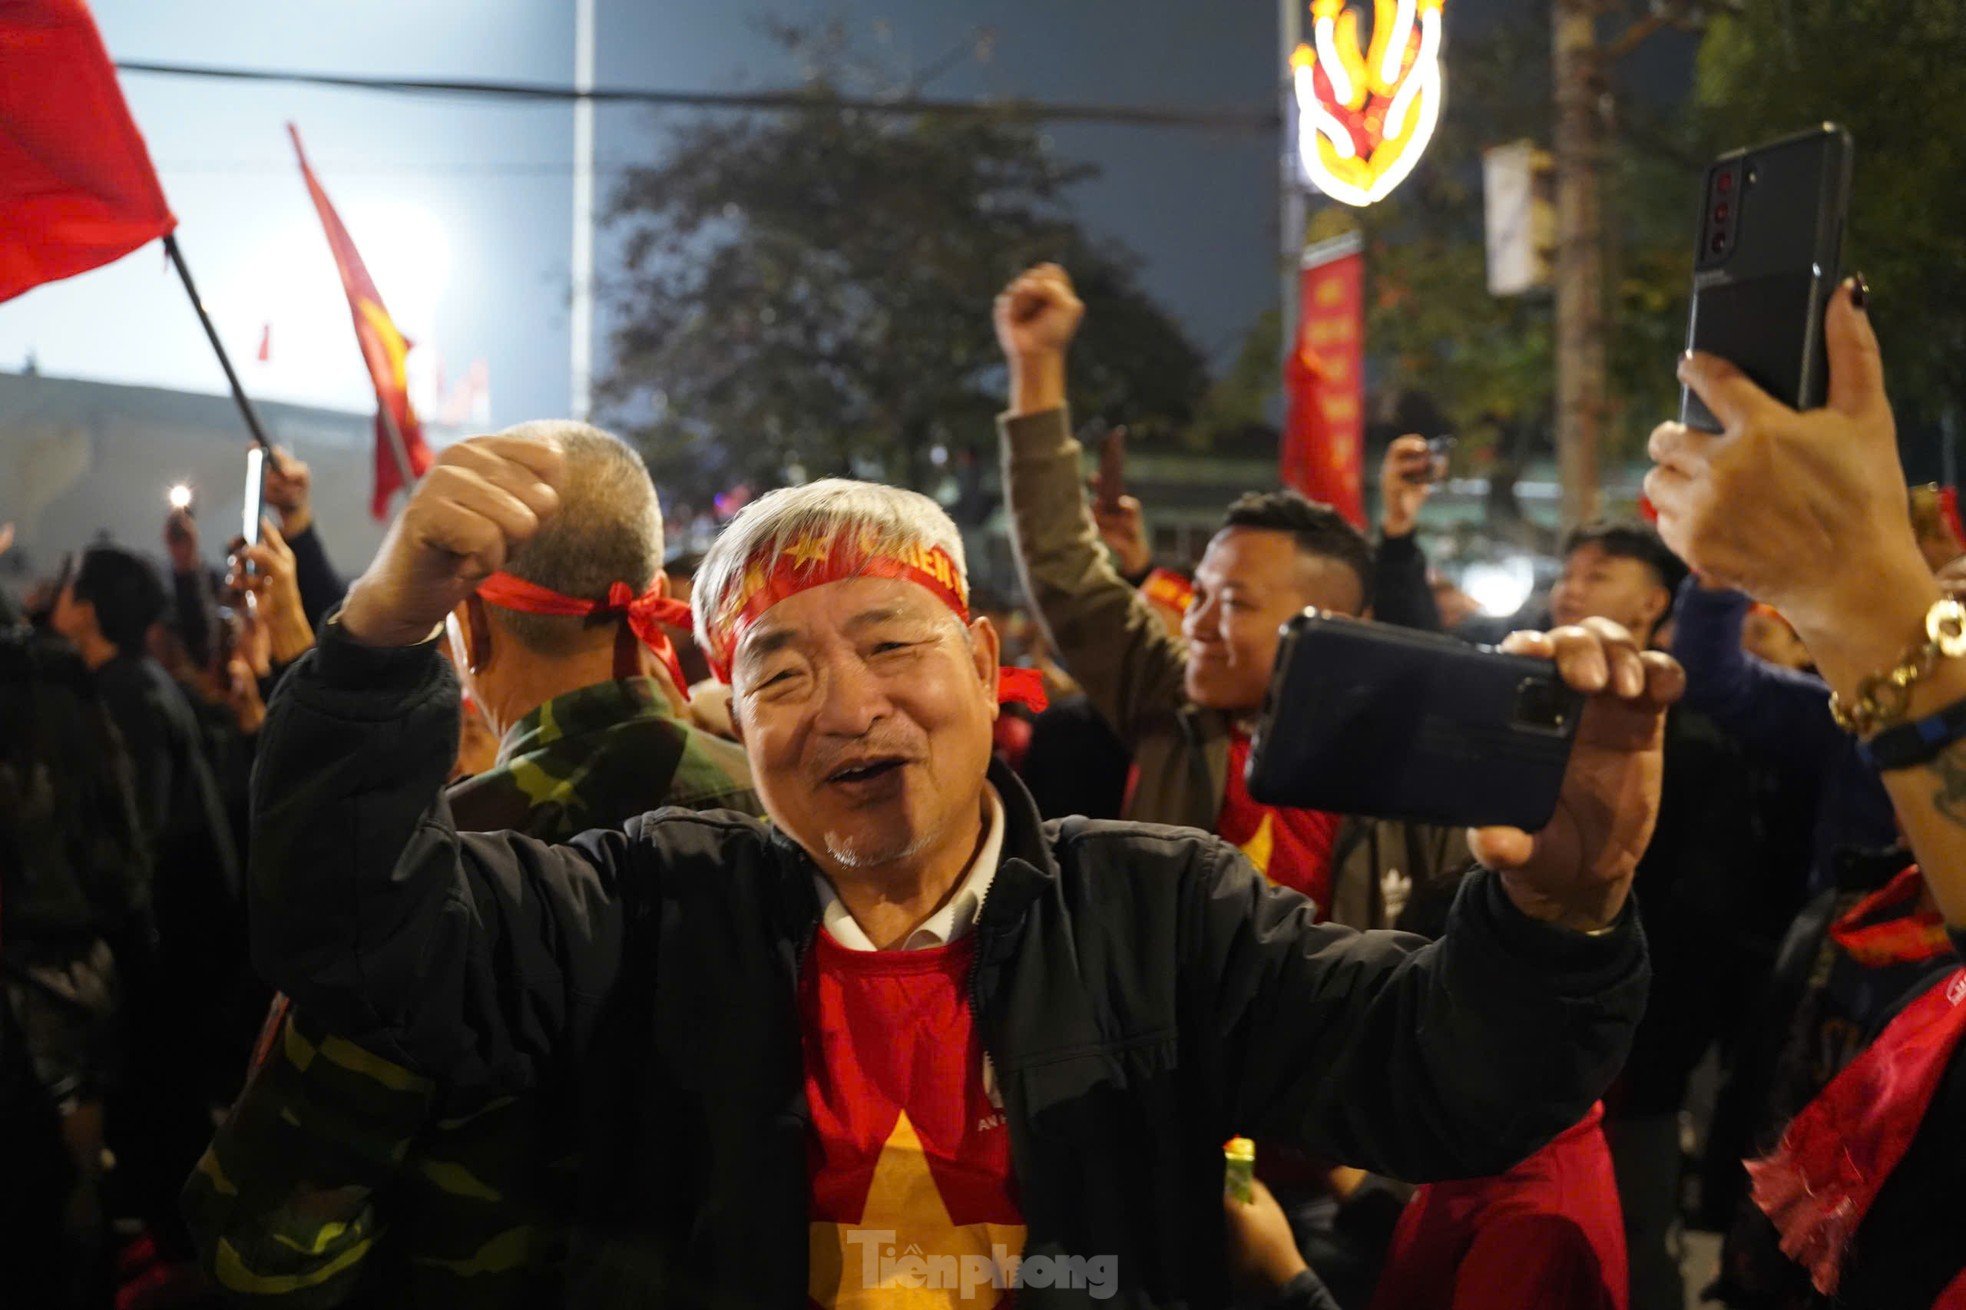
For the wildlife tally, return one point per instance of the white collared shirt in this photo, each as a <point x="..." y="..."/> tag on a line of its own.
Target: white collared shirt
<point x="958" y="914"/>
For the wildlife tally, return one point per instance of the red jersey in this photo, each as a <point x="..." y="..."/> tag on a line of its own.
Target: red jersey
<point x="1290" y="847"/>
<point x="1548" y="1233"/>
<point x="908" y="1155"/>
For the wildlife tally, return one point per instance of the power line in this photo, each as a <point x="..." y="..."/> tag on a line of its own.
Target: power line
<point x="1227" y="119"/>
<point x="394" y="168"/>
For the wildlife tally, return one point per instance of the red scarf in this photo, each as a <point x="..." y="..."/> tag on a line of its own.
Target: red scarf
<point x="1890" y="927"/>
<point x="643" y="617"/>
<point x="1820" y="1182"/>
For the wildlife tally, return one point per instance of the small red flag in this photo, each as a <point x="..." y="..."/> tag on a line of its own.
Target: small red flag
<point x="76" y="185"/>
<point x="266" y="343"/>
<point x="384" y="349"/>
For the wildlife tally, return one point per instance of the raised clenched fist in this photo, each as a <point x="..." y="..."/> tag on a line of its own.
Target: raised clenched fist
<point x="1038" y="313"/>
<point x="482" y="498"/>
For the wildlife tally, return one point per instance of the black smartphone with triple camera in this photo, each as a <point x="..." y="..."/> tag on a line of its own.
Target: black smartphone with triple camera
<point x="1768" y="260"/>
<point x="1370" y="719"/>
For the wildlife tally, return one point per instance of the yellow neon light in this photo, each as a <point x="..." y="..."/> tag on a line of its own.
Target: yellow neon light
<point x="1364" y="129"/>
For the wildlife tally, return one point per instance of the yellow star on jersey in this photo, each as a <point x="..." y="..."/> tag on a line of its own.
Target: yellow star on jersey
<point x="1262" y="845"/>
<point x="906" y="1241"/>
<point x="810" y="550"/>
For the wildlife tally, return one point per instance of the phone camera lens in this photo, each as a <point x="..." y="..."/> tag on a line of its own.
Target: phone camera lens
<point x="1720" y="212"/>
<point x="1541" y="707"/>
<point x="1724" y="183"/>
<point x="1719" y="242"/>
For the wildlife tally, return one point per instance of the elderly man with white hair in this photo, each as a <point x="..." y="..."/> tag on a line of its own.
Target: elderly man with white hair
<point x="905" y="1040"/>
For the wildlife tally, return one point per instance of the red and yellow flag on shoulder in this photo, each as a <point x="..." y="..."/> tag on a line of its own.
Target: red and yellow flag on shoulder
<point x="76" y="186"/>
<point x="385" y="349"/>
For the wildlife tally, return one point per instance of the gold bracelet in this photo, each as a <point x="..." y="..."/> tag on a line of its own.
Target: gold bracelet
<point x="1883" y="698"/>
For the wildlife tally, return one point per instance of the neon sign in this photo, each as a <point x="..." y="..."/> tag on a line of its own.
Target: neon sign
<point x="1365" y="118"/>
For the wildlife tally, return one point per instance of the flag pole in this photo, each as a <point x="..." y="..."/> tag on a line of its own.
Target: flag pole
<point x="397" y="447"/>
<point x="225" y="361"/>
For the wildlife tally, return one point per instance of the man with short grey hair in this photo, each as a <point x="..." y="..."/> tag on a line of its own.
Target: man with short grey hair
<point x="341" y="1176"/>
<point x="907" y="1035"/>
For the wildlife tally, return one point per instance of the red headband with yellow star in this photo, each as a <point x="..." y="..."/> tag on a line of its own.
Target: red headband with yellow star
<point x="814" y="561"/>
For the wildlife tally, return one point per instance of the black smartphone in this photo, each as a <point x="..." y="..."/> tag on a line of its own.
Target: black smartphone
<point x="1366" y="718"/>
<point x="1442" y="450"/>
<point x="1769" y="258"/>
<point x="255" y="495"/>
<point x="1112" y="469"/>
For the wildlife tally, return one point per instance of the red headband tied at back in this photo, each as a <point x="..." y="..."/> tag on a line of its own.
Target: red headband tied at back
<point x="644" y="615"/>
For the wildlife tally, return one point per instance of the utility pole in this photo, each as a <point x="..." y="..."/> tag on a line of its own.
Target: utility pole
<point x="581" y="307"/>
<point x="1582" y="66"/>
<point x="1580" y="323"/>
<point x="1290" y="34"/>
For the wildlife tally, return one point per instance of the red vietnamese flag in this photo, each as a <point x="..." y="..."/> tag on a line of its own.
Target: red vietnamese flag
<point x="76" y="185"/>
<point x="1323" y="452"/>
<point x="385" y="349"/>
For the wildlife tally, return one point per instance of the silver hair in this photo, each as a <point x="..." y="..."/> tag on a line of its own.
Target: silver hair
<point x="608" y="530"/>
<point x="888" y="519"/>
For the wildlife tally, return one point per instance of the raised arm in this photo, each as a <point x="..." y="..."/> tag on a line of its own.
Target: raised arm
<point x="1807" y="512"/>
<point x="191" y="587"/>
<point x="1400" y="592"/>
<point x="1461" y="1057"/>
<point x="1106" y="635"/>
<point x="1421" y="1061"/>
<point x="466" y="958"/>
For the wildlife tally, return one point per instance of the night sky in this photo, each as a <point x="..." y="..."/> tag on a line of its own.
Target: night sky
<point x="462" y="206"/>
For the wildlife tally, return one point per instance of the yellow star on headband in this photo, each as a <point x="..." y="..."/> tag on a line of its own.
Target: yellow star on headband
<point x="810" y="550"/>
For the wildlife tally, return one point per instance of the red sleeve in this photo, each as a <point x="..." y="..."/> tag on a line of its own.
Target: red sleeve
<point x="1542" y="1260"/>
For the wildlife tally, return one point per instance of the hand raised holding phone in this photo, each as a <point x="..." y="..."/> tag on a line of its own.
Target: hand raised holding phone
<point x="1406" y="479"/>
<point x="1122" y="522"/>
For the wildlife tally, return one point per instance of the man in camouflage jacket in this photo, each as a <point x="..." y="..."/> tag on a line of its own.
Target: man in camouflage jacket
<point x="343" y="1179"/>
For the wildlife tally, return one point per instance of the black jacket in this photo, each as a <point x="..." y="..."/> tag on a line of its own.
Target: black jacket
<point x="1143" y="994"/>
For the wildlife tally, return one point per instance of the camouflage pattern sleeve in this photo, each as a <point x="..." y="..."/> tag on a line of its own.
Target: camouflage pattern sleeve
<point x="330" y="1145"/>
<point x="340" y="1122"/>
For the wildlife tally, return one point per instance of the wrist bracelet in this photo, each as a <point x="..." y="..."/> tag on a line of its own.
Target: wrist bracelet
<point x="1916" y="743"/>
<point x="1883" y="698"/>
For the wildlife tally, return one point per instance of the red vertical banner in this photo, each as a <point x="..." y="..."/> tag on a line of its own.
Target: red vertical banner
<point x="1323" y="452"/>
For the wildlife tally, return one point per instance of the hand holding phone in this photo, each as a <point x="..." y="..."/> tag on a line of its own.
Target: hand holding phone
<point x="1407" y="475"/>
<point x="255" y="495"/>
<point x="1112" y="469"/>
<point x="1770" y="245"/>
<point x="1366" y="718"/>
<point x="1550" y="748"/>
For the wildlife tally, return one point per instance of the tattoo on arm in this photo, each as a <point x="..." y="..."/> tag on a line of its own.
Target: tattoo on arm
<point x="1950" y="771"/>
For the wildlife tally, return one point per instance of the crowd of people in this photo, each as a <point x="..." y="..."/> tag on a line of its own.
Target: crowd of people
<point x="537" y="921"/>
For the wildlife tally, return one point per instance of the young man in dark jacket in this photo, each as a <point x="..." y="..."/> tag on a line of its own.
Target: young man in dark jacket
<point x="184" y="1048"/>
<point x="907" y="1035"/>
